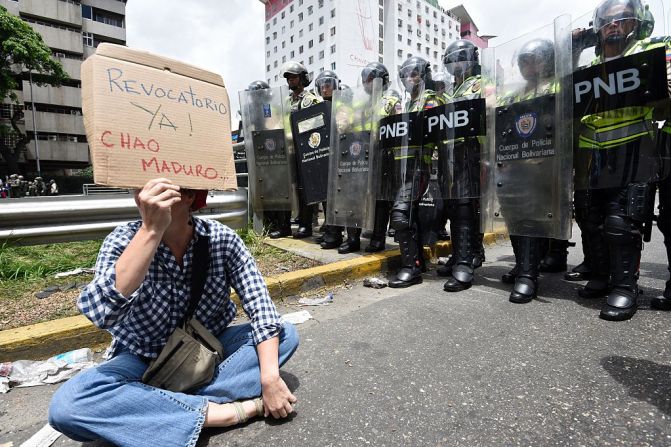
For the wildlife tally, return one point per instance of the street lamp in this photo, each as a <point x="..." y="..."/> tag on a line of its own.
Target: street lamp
<point x="32" y="108"/>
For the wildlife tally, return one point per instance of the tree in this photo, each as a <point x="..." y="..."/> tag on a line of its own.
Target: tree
<point x="21" y="49"/>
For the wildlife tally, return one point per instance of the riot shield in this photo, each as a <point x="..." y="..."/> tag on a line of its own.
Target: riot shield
<point x="349" y="203"/>
<point x="311" y="129"/>
<point x="457" y="130"/>
<point x="618" y="97"/>
<point x="271" y="170"/>
<point x="527" y="168"/>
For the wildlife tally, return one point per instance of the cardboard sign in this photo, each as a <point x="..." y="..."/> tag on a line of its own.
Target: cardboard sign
<point x="148" y="116"/>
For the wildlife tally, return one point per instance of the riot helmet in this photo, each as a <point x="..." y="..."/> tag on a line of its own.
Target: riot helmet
<point x="347" y="94"/>
<point x="374" y="70"/>
<point x="415" y="75"/>
<point x="296" y="68"/>
<point x="621" y="21"/>
<point x="461" y="58"/>
<point x="257" y="85"/>
<point x="326" y="82"/>
<point x="536" y="59"/>
<point x="440" y="81"/>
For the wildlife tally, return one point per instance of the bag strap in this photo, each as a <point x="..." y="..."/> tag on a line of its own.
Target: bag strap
<point x="199" y="266"/>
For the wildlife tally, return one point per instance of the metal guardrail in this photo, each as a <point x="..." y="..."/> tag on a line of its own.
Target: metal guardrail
<point x="89" y="189"/>
<point x="77" y="218"/>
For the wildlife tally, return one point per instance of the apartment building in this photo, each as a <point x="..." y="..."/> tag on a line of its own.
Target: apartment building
<point x="72" y="29"/>
<point x="346" y="35"/>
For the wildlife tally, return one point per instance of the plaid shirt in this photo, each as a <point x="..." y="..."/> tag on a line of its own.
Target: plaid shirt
<point x="143" y="321"/>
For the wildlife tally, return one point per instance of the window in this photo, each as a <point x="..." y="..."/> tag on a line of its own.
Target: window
<point x="321" y="37"/>
<point x="291" y="39"/>
<point x="267" y="25"/>
<point x="419" y="33"/>
<point x="274" y="49"/>
<point x="282" y="14"/>
<point x="274" y="35"/>
<point x="333" y="66"/>
<point x="311" y="43"/>
<point x="442" y="19"/>
<point x="381" y="50"/>
<point x="381" y="3"/>
<point x="275" y="78"/>
<point x="268" y="53"/>
<point x="320" y="3"/>
<point x="400" y="7"/>
<point x="309" y="10"/>
<point x="300" y="33"/>
<point x="321" y="54"/>
<point x="284" y="44"/>
<point x="409" y="42"/>
<point x="321" y="20"/>
<point x="419" y="46"/>
<point x="267" y="40"/>
<point x="381" y="31"/>
<point x="87" y="39"/>
<point x="333" y="48"/>
<point x="268" y="67"/>
<point x="284" y="29"/>
<point x="300" y="49"/>
<point x="310" y="27"/>
<point x="291" y="24"/>
<point x="333" y="12"/>
<point x="291" y="8"/>
<point x="275" y="64"/>
<point x="409" y="13"/>
<point x="400" y="38"/>
<point x="435" y="55"/>
<point x="435" y="15"/>
<point x="284" y="59"/>
<point x="409" y="28"/>
<point x="275" y="21"/>
<point x="311" y="60"/>
<point x="333" y="31"/>
<point x="292" y="54"/>
<point x="442" y="45"/>
<point x="86" y="12"/>
<point x="300" y="2"/>
<point x="300" y="16"/>
<point x="435" y="41"/>
<point x="399" y="53"/>
<point x="381" y="15"/>
<point x="400" y="23"/>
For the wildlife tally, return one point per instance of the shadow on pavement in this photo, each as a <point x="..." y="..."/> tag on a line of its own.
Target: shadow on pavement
<point x="645" y="380"/>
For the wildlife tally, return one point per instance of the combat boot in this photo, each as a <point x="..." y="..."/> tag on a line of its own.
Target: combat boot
<point x="461" y="276"/>
<point x="555" y="258"/>
<point x="526" y="282"/>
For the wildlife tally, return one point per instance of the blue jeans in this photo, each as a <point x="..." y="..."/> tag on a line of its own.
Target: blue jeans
<point x="110" y="402"/>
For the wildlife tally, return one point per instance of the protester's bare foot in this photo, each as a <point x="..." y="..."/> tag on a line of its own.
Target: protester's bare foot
<point x="225" y="415"/>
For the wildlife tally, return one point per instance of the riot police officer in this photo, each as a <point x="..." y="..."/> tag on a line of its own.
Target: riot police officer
<point x="326" y="82"/>
<point x="536" y="65"/>
<point x="390" y="104"/>
<point x="297" y="79"/>
<point x="617" y="208"/>
<point x="415" y="78"/>
<point x="461" y="60"/>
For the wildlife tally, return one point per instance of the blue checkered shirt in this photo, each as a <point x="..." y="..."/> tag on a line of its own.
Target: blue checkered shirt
<point x="143" y="321"/>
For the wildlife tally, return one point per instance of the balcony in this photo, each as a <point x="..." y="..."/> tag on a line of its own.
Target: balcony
<point x="71" y="66"/>
<point x="59" y="151"/>
<point x="62" y="96"/>
<point x="107" y="5"/>
<point x="55" y="123"/>
<point x="59" y="39"/>
<point x="104" y="30"/>
<point x="55" y="10"/>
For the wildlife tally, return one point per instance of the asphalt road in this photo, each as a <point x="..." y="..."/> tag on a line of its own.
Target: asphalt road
<point x="421" y="367"/>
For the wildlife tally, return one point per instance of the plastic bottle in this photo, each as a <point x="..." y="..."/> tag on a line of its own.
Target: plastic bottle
<point x="76" y="356"/>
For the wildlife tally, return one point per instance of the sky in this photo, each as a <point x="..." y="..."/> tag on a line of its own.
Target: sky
<point x="227" y="36"/>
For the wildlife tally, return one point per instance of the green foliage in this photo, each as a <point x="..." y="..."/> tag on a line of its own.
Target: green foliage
<point x="40" y="261"/>
<point x="21" y="48"/>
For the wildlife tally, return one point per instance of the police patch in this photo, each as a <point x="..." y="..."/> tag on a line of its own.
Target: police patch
<point x="314" y="140"/>
<point x="355" y="149"/>
<point x="307" y="102"/>
<point x="266" y="111"/>
<point x="269" y="145"/>
<point x="526" y="124"/>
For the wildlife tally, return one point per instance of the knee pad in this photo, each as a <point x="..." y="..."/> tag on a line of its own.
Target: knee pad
<point x="620" y="230"/>
<point x="400" y="216"/>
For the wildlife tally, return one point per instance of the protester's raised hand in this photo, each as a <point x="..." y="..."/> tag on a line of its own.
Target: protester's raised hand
<point x="277" y="399"/>
<point x="155" y="201"/>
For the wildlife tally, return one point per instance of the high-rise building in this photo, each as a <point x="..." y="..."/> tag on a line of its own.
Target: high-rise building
<point x="346" y="35"/>
<point x="72" y="29"/>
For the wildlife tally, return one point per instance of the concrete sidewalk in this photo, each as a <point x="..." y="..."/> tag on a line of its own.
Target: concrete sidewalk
<point x="43" y="340"/>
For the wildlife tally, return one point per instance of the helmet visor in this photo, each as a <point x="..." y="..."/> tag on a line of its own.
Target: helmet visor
<point x="616" y="12"/>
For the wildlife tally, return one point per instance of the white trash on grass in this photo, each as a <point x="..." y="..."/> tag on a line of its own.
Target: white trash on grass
<point x="328" y="299"/>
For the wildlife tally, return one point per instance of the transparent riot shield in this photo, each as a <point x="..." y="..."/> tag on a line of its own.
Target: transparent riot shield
<point x="457" y="129"/>
<point x="620" y="94"/>
<point x="311" y="129"/>
<point x="269" y="154"/>
<point x="352" y="144"/>
<point x="527" y="167"/>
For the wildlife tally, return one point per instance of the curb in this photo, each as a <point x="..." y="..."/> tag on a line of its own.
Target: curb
<point x="42" y="340"/>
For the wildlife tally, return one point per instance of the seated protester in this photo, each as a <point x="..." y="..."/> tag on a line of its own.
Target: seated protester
<point x="140" y="294"/>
